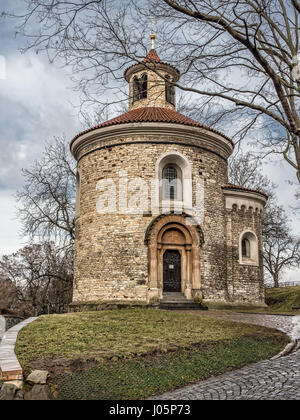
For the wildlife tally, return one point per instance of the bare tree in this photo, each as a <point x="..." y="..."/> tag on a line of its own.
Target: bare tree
<point x="258" y="41"/>
<point x="240" y="56"/>
<point x="47" y="199"/>
<point x="281" y="249"/>
<point x="297" y="206"/>
<point x="40" y="275"/>
<point x="245" y="169"/>
<point x="8" y="296"/>
<point x="40" y="278"/>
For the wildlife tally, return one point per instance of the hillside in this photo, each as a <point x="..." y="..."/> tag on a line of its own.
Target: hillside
<point x="283" y="299"/>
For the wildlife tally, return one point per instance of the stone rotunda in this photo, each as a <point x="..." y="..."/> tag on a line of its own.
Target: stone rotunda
<point x="155" y="216"/>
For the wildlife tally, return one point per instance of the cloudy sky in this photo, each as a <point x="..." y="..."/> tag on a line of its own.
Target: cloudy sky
<point x="36" y="103"/>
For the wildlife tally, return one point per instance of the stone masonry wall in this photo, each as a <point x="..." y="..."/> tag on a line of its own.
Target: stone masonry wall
<point x="156" y="91"/>
<point x="213" y="254"/>
<point x="245" y="282"/>
<point x="111" y="260"/>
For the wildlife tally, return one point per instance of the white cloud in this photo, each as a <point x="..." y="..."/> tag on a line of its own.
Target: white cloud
<point x="293" y="275"/>
<point x="34" y="106"/>
<point x="280" y="172"/>
<point x="10" y="240"/>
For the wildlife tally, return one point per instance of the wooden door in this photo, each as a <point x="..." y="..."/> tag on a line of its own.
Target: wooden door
<point x="172" y="271"/>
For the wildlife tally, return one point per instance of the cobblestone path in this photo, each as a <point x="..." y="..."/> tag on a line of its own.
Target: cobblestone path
<point x="268" y="380"/>
<point x="287" y="324"/>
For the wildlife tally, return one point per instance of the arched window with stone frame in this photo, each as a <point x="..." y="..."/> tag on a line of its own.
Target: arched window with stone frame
<point x="172" y="180"/>
<point x="136" y="89"/>
<point x="248" y="248"/>
<point x="170" y="90"/>
<point x="140" y="88"/>
<point x="144" y="86"/>
<point x="174" y="175"/>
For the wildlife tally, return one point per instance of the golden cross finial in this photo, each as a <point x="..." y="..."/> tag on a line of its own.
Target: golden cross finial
<point x="152" y="36"/>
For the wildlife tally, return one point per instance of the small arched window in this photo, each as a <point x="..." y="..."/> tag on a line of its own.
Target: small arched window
<point x="249" y="249"/>
<point x="140" y="87"/>
<point x="136" y="87"/>
<point x="170" y="181"/>
<point x="174" y="172"/>
<point x="170" y="91"/>
<point x="246" y="248"/>
<point x="144" y="86"/>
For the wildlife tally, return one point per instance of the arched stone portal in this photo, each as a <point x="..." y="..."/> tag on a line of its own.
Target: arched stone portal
<point x="174" y="233"/>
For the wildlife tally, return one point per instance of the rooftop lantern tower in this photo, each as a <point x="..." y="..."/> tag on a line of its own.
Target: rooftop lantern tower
<point x="151" y="82"/>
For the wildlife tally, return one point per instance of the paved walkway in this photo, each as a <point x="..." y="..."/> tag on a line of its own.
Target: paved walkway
<point x="283" y="323"/>
<point x="268" y="380"/>
<point x="10" y="367"/>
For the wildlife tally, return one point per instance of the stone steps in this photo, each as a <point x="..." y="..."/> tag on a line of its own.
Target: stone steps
<point x="174" y="297"/>
<point x="177" y="301"/>
<point x="179" y="306"/>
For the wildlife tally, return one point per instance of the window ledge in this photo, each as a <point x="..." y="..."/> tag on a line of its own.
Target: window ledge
<point x="248" y="261"/>
<point x="176" y="205"/>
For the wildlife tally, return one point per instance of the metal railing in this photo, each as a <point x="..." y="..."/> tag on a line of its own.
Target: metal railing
<point x="283" y="284"/>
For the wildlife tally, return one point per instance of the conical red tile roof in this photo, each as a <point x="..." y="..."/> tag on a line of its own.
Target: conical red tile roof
<point x="152" y="57"/>
<point x="152" y="114"/>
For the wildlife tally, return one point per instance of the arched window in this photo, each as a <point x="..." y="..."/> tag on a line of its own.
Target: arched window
<point x="144" y="86"/>
<point x="170" y="181"/>
<point x="140" y="87"/>
<point x="246" y="248"/>
<point x="174" y="173"/>
<point x="136" y="85"/>
<point x="170" y="91"/>
<point x="249" y="249"/>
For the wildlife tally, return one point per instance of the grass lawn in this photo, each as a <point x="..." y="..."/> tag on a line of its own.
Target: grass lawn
<point x="283" y="299"/>
<point x="279" y="301"/>
<point x="137" y="353"/>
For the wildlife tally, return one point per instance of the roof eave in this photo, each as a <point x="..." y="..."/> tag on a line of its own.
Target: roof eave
<point x="135" y="68"/>
<point x="217" y="141"/>
<point x="238" y="189"/>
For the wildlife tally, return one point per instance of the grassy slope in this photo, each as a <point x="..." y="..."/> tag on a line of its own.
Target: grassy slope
<point x="137" y="353"/>
<point x="279" y="301"/>
<point x="153" y="375"/>
<point x="283" y="299"/>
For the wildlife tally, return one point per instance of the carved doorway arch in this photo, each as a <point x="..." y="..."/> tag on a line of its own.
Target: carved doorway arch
<point x="174" y="233"/>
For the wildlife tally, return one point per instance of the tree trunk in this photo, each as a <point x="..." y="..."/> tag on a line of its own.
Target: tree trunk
<point x="276" y="280"/>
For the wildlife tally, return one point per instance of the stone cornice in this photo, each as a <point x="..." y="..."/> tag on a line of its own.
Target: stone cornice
<point x="164" y="67"/>
<point x="248" y="199"/>
<point x="151" y="132"/>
